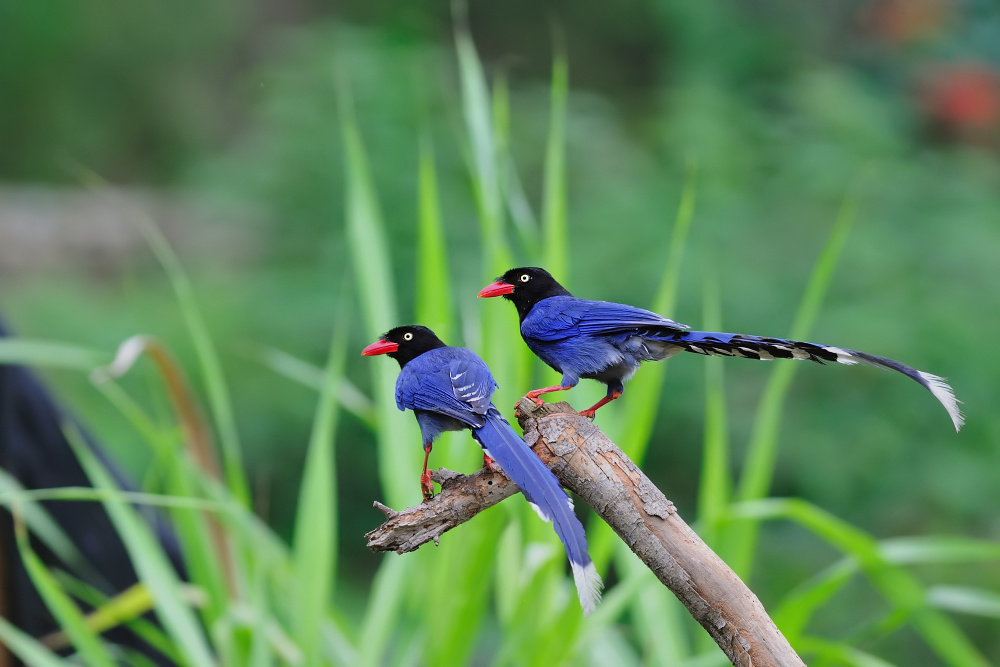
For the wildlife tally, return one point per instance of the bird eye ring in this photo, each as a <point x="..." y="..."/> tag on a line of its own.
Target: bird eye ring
<point x="407" y="336"/>
<point x="525" y="277"/>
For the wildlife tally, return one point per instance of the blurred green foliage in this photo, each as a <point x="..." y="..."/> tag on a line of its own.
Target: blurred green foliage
<point x="784" y="110"/>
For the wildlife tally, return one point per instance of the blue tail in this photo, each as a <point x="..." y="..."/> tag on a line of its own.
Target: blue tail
<point x="546" y="496"/>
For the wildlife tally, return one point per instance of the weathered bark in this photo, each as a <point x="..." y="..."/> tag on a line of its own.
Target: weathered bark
<point x="462" y="497"/>
<point x="596" y="470"/>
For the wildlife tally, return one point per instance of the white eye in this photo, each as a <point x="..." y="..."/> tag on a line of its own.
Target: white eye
<point x="525" y="277"/>
<point x="407" y="336"/>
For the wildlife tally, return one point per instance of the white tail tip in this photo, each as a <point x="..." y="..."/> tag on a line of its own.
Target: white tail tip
<point x="588" y="586"/>
<point x="943" y="392"/>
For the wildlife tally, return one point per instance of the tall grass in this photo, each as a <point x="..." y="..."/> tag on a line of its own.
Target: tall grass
<point x="496" y="590"/>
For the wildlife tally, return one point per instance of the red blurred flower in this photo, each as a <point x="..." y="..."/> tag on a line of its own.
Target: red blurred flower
<point x="961" y="97"/>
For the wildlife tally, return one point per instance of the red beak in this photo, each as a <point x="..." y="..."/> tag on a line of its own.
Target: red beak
<point x="498" y="288"/>
<point x="379" y="347"/>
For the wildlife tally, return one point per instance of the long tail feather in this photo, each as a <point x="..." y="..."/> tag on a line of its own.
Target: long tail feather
<point x="546" y="496"/>
<point x="757" y="347"/>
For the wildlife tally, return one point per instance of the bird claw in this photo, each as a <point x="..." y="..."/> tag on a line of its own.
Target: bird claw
<point x="490" y="464"/>
<point x="426" y="488"/>
<point x="534" y="399"/>
<point x="589" y="414"/>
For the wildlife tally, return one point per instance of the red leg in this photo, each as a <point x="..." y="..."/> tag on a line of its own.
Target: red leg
<point x="589" y="412"/>
<point x="490" y="464"/>
<point x="535" y="393"/>
<point x="425" y="477"/>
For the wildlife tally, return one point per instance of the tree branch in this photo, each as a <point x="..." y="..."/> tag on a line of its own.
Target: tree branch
<point x="596" y="470"/>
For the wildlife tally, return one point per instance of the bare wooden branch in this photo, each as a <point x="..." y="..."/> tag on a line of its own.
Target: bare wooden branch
<point x="596" y="470"/>
<point x="462" y="497"/>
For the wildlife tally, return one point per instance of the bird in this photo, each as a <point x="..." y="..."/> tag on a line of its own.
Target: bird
<point x="608" y="341"/>
<point x="450" y="389"/>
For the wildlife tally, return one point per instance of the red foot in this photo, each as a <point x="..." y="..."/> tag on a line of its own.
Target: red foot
<point x="425" y="477"/>
<point x="534" y="399"/>
<point x="490" y="464"/>
<point x="535" y="393"/>
<point x="592" y="410"/>
<point x="425" y="485"/>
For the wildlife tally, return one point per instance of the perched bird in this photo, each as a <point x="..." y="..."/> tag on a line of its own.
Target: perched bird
<point x="449" y="389"/>
<point x="607" y="341"/>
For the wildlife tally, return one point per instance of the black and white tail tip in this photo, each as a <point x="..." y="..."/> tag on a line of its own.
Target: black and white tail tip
<point x="766" y="349"/>
<point x="935" y="384"/>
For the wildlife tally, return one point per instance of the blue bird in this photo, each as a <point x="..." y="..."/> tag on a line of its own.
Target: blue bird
<point x="449" y="389"/>
<point x="608" y="341"/>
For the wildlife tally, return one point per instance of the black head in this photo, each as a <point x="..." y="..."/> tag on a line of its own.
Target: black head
<point x="404" y="343"/>
<point x="525" y="286"/>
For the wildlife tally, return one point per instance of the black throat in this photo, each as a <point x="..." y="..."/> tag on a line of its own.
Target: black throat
<point x="408" y="352"/>
<point x="525" y="300"/>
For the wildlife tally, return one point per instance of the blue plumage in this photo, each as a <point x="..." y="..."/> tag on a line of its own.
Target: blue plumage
<point x="608" y="341"/>
<point x="449" y="389"/>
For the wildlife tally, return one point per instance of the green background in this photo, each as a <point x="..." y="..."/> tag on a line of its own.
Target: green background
<point x="776" y="113"/>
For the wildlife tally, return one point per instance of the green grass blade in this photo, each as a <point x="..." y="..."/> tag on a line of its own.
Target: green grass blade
<point x="27" y="648"/>
<point x="399" y="452"/>
<point x="250" y="530"/>
<point x="486" y="125"/>
<point x="163" y="444"/>
<point x="903" y="591"/>
<point x="476" y="106"/>
<point x="639" y="412"/>
<point x="337" y="648"/>
<point x="433" y="296"/>
<point x="350" y="397"/>
<point x="464" y="563"/>
<point x="201" y="559"/>
<point x="793" y="613"/>
<point x="616" y="602"/>
<point x="965" y="600"/>
<point x="938" y="549"/>
<point x="261" y="654"/>
<point x="43" y="526"/>
<point x="23" y="351"/>
<point x="509" y="583"/>
<point x="150" y="562"/>
<point x="382" y="614"/>
<point x="715" y="487"/>
<point x="762" y="450"/>
<point x="837" y="653"/>
<point x="647" y="387"/>
<point x="208" y="359"/>
<point x="520" y="211"/>
<point x="315" y="545"/>
<point x="434" y="308"/>
<point x="658" y="615"/>
<point x="86" y="493"/>
<point x="124" y="609"/>
<point x="64" y="610"/>
<point x="554" y="220"/>
<point x="499" y="121"/>
<point x="207" y="552"/>
<point x="493" y="176"/>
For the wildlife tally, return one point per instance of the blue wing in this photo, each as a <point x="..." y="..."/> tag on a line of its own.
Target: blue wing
<point x="471" y="381"/>
<point x="560" y="317"/>
<point x="452" y="381"/>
